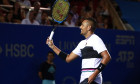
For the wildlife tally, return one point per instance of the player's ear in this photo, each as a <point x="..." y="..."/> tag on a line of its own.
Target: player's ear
<point x="89" y="28"/>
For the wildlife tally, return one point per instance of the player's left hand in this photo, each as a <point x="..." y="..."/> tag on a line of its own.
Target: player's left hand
<point x="91" y="78"/>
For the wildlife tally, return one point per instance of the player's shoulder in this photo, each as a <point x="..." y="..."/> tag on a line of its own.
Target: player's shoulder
<point x="81" y="42"/>
<point x="96" y="37"/>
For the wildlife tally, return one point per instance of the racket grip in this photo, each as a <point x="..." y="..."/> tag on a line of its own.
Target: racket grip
<point x="51" y="35"/>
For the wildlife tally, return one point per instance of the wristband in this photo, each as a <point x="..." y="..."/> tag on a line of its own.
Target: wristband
<point x="101" y="67"/>
<point x="62" y="55"/>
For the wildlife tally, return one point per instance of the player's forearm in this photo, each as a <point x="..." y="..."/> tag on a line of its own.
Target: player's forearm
<point x="106" y="60"/>
<point x="68" y="58"/>
<point x="96" y="72"/>
<point x="93" y="76"/>
<point x="56" y="50"/>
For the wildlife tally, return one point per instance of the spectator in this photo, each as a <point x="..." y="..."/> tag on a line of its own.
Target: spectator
<point x="81" y="19"/>
<point x="91" y="5"/>
<point x="102" y="8"/>
<point x="9" y="17"/>
<point x="88" y="12"/>
<point x="17" y="13"/>
<point x="2" y="19"/>
<point x="100" y="23"/>
<point x="25" y="2"/>
<point x="69" y="22"/>
<point x="75" y="14"/>
<point x="44" y="19"/>
<point x="37" y="11"/>
<point x="47" y="70"/>
<point x="5" y="2"/>
<point x="107" y="24"/>
<point x="31" y="19"/>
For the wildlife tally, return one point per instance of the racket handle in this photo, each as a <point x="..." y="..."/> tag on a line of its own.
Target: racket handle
<point x="51" y="35"/>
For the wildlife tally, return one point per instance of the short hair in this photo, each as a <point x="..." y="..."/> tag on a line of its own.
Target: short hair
<point x="92" y="23"/>
<point x="51" y="53"/>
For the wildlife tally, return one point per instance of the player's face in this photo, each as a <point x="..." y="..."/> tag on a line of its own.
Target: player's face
<point x="84" y="27"/>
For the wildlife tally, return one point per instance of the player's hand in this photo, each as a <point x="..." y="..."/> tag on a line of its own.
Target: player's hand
<point x="50" y="43"/>
<point x="91" y="78"/>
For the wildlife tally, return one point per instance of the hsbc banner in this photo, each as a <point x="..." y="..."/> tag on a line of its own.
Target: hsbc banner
<point x="23" y="48"/>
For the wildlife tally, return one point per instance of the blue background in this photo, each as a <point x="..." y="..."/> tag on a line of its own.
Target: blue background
<point x="18" y="67"/>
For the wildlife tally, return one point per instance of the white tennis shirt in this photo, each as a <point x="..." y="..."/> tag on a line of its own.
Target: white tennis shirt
<point x="90" y="49"/>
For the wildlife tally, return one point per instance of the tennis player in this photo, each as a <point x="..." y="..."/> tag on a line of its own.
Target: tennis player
<point x="93" y="51"/>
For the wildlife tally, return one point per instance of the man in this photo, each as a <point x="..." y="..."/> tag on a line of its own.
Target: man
<point x="37" y="10"/>
<point x="45" y="19"/>
<point x="31" y="19"/>
<point x="69" y="22"/>
<point x="25" y="2"/>
<point x="92" y="50"/>
<point x="47" y="70"/>
<point x="74" y="10"/>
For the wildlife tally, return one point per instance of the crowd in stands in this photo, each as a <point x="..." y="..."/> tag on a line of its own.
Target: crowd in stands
<point x="79" y="9"/>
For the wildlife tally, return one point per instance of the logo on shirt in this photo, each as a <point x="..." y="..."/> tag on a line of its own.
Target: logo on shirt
<point x="51" y="69"/>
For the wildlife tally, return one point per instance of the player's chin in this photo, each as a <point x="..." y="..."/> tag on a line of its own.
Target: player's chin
<point x="82" y="33"/>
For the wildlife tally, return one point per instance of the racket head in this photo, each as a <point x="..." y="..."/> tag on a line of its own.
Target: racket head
<point x="60" y="10"/>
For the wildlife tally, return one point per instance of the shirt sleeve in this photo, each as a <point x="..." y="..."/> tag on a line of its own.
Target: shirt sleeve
<point x="23" y="21"/>
<point x="77" y="50"/>
<point x="37" y="23"/>
<point x="99" y="45"/>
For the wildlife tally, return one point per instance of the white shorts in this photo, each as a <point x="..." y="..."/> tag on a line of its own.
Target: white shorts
<point x="86" y="74"/>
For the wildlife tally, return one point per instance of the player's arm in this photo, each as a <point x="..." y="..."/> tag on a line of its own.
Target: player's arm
<point x="67" y="57"/>
<point x="105" y="59"/>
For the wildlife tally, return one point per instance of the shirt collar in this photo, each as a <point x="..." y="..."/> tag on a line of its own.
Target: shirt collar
<point x="89" y="37"/>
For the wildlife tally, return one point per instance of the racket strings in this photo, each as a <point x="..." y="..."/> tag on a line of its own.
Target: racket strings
<point x="60" y="10"/>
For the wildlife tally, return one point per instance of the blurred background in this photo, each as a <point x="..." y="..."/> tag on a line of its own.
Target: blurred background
<point x="26" y="24"/>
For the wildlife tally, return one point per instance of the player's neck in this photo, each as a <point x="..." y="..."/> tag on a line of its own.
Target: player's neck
<point x="88" y="35"/>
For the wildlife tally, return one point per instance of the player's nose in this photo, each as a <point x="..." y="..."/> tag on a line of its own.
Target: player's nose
<point x="80" y="27"/>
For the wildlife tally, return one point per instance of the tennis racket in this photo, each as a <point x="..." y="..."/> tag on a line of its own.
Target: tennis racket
<point x="59" y="13"/>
